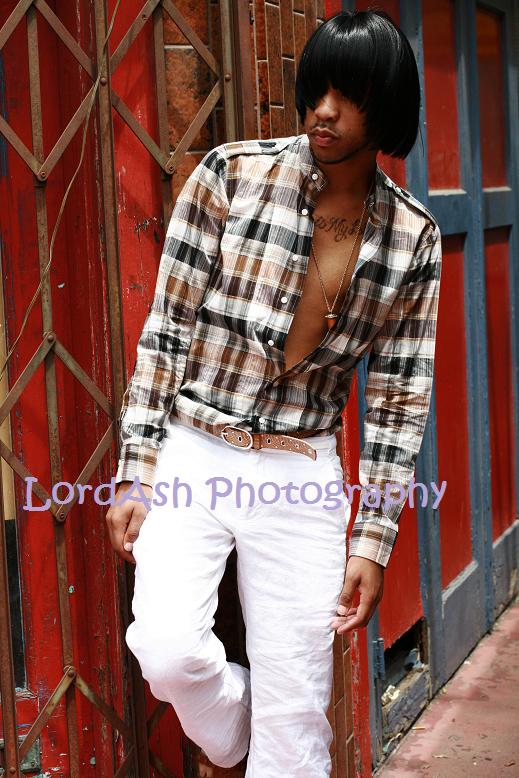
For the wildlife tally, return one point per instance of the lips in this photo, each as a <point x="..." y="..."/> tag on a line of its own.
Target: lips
<point x="323" y="134"/>
<point x="323" y="138"/>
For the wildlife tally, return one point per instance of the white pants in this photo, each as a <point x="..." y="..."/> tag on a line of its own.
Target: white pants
<point x="291" y="556"/>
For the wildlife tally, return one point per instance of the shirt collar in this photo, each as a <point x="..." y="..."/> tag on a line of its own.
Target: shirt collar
<point x="315" y="175"/>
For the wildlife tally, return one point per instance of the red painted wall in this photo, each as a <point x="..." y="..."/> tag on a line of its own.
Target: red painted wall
<point x="441" y="107"/>
<point x="500" y="389"/>
<point x="452" y="415"/>
<point x="490" y="46"/>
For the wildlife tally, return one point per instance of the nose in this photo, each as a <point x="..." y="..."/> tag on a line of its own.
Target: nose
<point x="327" y="108"/>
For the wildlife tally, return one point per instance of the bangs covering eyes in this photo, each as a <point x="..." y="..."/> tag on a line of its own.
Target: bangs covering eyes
<point x="369" y="60"/>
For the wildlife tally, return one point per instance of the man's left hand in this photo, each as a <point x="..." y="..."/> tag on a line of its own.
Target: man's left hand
<point x="367" y="577"/>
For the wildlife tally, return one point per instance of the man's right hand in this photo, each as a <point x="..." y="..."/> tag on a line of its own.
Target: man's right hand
<point x="124" y="520"/>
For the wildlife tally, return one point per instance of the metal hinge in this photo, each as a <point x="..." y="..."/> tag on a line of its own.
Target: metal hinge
<point x="32" y="760"/>
<point x="379" y="664"/>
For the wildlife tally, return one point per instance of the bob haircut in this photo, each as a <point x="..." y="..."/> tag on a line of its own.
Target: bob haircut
<point x="369" y="60"/>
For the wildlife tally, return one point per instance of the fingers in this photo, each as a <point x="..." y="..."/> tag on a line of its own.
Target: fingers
<point x="117" y="528"/>
<point x="132" y="531"/>
<point x="338" y="621"/>
<point x="124" y="520"/>
<point x="356" y="617"/>
<point x="367" y="578"/>
<point x="351" y="583"/>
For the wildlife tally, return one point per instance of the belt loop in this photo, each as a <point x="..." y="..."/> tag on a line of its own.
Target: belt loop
<point x="255" y="424"/>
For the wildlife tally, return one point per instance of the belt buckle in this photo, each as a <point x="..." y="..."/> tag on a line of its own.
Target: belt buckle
<point x="223" y="435"/>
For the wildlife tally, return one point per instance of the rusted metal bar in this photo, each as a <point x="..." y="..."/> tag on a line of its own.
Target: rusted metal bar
<point x="23" y="472"/>
<point x="162" y="111"/>
<point x="111" y="245"/>
<point x="61" y="511"/>
<point x="191" y="36"/>
<point x="126" y="765"/>
<point x="115" y="720"/>
<point x="50" y="706"/>
<point x="29" y="370"/>
<point x="84" y="379"/>
<point x="7" y="685"/>
<point x="138" y="130"/>
<point x="110" y="206"/>
<point x="228" y="74"/>
<point x="13" y="20"/>
<point x="159" y="765"/>
<point x="156" y="716"/>
<point x="65" y="37"/>
<point x="50" y="382"/>
<point x="195" y="126"/>
<point x="64" y="139"/>
<point x="18" y="145"/>
<point x="129" y="37"/>
<point x="244" y="93"/>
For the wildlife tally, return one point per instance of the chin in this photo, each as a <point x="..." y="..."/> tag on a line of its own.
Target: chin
<point x="333" y="151"/>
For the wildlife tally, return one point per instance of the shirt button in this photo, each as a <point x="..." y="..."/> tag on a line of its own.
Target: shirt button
<point x="284" y="299"/>
<point x="270" y="342"/>
<point x="305" y="211"/>
<point x="262" y="420"/>
<point x="315" y="176"/>
<point x="295" y="258"/>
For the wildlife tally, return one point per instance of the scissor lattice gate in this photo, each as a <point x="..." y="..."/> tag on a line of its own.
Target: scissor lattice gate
<point x="72" y="701"/>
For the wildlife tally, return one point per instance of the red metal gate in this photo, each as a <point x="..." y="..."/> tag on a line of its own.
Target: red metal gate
<point x="86" y="162"/>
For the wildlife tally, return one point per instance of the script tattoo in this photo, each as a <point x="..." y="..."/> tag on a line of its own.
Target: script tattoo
<point x="342" y="227"/>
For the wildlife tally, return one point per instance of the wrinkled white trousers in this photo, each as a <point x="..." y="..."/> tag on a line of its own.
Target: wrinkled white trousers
<point x="291" y="555"/>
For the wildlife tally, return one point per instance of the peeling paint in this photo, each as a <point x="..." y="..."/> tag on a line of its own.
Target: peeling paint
<point x="143" y="226"/>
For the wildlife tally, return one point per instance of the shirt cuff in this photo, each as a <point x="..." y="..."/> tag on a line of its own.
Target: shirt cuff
<point x="137" y="461"/>
<point x="372" y="540"/>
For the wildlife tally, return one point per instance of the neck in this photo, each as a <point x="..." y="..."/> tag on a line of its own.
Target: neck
<point x="351" y="178"/>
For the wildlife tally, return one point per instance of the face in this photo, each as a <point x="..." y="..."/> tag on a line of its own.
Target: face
<point x="342" y="125"/>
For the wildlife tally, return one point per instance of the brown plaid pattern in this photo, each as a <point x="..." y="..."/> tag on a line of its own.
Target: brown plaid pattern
<point x="229" y="281"/>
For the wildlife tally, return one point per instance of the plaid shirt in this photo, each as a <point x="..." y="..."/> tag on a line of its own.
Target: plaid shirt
<point x="230" y="277"/>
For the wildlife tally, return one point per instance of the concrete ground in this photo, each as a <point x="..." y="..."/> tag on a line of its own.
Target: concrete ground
<point x="471" y="727"/>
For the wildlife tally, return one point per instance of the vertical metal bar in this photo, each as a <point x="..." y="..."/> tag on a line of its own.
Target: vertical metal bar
<point x="512" y="92"/>
<point x="109" y="206"/>
<point x="111" y="246"/>
<point x="7" y="685"/>
<point x="476" y="324"/>
<point x="373" y="628"/>
<point x="244" y="80"/>
<point x="162" y="111"/>
<point x="227" y="72"/>
<point x="50" y="381"/>
<point x="411" y="23"/>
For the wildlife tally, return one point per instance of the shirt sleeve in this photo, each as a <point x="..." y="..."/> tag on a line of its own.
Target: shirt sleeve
<point x="190" y="252"/>
<point x="398" y="394"/>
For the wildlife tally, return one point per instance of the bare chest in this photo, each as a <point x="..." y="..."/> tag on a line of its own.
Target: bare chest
<point x="336" y="245"/>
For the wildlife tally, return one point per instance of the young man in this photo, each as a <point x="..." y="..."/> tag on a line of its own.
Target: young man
<point x="286" y="261"/>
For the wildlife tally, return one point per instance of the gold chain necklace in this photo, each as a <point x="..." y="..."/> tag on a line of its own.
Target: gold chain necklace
<point x="330" y="316"/>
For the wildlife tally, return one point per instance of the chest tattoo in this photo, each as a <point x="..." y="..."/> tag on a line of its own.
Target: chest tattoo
<point x="341" y="228"/>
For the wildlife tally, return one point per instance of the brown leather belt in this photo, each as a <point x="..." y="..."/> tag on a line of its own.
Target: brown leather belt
<point x="240" y="438"/>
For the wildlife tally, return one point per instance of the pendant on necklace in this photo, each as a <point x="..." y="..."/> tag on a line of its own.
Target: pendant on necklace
<point x="330" y="319"/>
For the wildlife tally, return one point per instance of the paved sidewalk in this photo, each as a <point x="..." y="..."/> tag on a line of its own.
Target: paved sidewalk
<point x="471" y="727"/>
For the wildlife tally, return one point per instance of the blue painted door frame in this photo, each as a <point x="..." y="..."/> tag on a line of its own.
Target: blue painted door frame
<point x="454" y="628"/>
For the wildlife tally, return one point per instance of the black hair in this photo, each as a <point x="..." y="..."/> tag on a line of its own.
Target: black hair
<point x="370" y="61"/>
